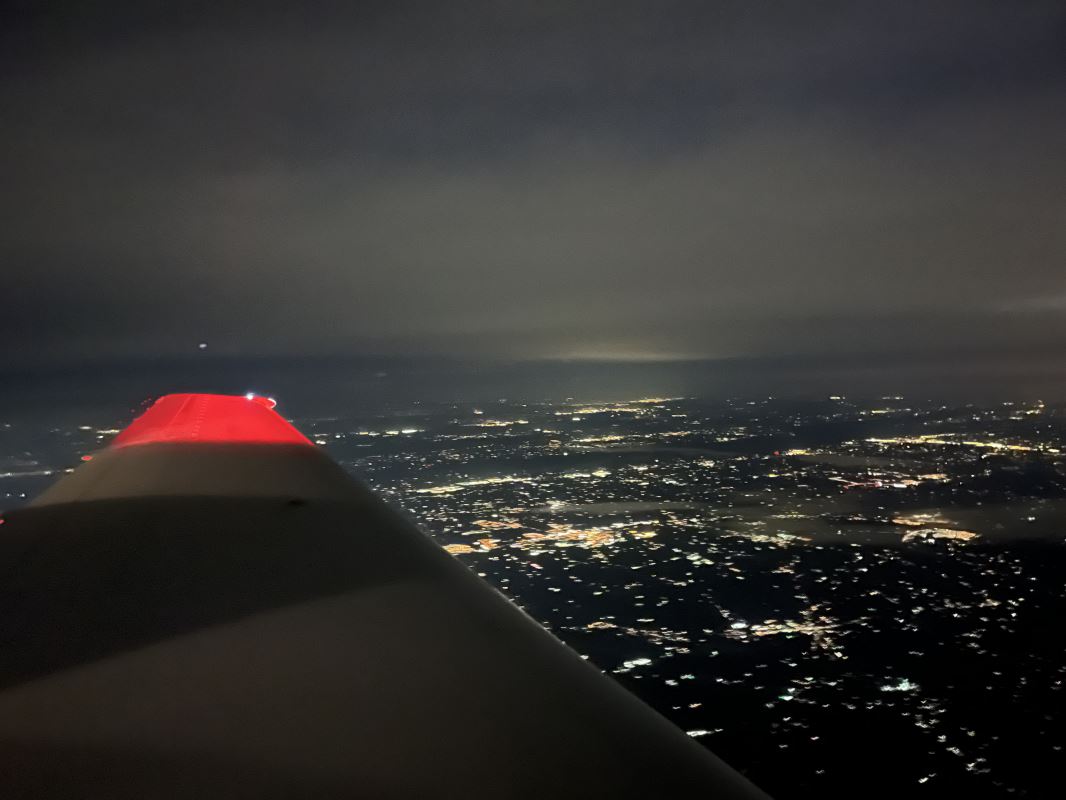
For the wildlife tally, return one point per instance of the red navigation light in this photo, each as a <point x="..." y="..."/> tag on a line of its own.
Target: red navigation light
<point x="86" y="458"/>
<point x="207" y="418"/>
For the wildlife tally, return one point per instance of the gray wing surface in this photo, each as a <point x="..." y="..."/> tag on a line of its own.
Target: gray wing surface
<point x="204" y="615"/>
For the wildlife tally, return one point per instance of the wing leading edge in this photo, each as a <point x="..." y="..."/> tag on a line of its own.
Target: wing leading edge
<point x="211" y="607"/>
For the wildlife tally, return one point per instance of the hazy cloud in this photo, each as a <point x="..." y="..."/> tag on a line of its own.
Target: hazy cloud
<point x="551" y="179"/>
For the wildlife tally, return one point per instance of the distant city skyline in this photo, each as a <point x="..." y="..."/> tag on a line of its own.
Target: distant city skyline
<point x="772" y="576"/>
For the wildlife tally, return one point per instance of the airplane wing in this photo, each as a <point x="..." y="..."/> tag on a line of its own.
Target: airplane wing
<point x="211" y="607"/>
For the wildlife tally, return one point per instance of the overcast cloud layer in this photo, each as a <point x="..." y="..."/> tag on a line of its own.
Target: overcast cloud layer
<point x="551" y="179"/>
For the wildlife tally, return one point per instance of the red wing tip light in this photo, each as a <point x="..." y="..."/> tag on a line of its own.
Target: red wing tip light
<point x="210" y="418"/>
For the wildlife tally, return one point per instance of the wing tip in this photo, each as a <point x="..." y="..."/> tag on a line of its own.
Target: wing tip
<point x="192" y="418"/>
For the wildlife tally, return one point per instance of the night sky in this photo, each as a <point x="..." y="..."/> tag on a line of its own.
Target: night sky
<point x="534" y="180"/>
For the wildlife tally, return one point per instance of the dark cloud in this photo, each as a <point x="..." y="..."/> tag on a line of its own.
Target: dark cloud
<point x="608" y="179"/>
